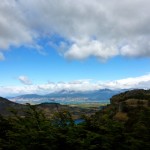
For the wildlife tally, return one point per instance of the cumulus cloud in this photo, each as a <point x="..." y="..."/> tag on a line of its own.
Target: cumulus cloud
<point x="25" y="80"/>
<point x="110" y="27"/>
<point x="85" y="49"/>
<point x="13" y="26"/>
<point x="78" y="85"/>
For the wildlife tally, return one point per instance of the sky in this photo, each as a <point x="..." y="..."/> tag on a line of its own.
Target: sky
<point x="48" y="46"/>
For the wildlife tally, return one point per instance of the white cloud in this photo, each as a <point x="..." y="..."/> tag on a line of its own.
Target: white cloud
<point x="110" y="27"/>
<point x="78" y="85"/>
<point x="13" y="26"/>
<point x="136" y="82"/>
<point x="25" y="80"/>
<point x="85" y="49"/>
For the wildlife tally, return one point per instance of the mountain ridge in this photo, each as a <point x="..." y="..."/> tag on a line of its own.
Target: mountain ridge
<point x="66" y="96"/>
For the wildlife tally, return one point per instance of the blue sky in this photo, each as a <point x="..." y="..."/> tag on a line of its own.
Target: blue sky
<point x="82" y="45"/>
<point x="55" y="68"/>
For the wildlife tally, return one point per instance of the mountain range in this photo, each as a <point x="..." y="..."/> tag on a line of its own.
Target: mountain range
<point x="68" y="97"/>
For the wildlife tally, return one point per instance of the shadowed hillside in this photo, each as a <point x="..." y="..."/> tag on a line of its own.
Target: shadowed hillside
<point x="6" y="108"/>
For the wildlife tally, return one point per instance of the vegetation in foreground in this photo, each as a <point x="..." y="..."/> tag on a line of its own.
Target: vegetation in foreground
<point x="109" y="129"/>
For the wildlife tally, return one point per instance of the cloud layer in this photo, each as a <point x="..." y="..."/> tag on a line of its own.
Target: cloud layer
<point x="102" y="29"/>
<point x="79" y="85"/>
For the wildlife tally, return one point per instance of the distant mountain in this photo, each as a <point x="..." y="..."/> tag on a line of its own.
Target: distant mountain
<point x="67" y="97"/>
<point x="28" y="96"/>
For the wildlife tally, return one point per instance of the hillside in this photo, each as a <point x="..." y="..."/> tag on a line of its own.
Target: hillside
<point x="124" y="105"/>
<point x="49" y="109"/>
<point x="138" y="94"/>
<point x="6" y="105"/>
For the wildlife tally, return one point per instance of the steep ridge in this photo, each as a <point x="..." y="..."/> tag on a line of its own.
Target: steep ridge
<point x="138" y="94"/>
<point x="129" y="102"/>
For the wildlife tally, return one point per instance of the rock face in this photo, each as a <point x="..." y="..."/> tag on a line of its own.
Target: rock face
<point x="130" y="99"/>
<point x="139" y="94"/>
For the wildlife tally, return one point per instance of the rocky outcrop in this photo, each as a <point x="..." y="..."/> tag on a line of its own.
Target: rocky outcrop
<point x="129" y="99"/>
<point x="138" y="94"/>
